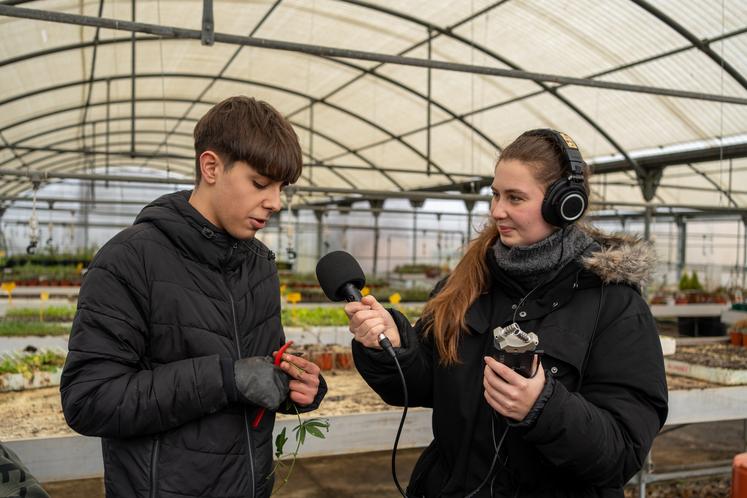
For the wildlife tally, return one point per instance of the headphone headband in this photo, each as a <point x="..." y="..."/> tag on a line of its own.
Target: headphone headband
<point x="570" y="156"/>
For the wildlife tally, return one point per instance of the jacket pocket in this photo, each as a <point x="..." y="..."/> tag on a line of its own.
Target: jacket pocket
<point x="423" y="472"/>
<point x="564" y="354"/>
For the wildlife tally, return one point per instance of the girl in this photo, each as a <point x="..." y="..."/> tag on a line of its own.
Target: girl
<point x="582" y="421"/>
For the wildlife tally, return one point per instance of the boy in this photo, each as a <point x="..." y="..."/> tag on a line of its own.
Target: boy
<point x="168" y="355"/>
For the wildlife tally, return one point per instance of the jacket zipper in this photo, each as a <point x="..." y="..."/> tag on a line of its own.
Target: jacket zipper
<point x="154" y="468"/>
<point x="238" y="352"/>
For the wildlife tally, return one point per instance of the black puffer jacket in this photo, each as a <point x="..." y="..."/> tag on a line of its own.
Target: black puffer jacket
<point x="162" y="303"/>
<point x="604" y="400"/>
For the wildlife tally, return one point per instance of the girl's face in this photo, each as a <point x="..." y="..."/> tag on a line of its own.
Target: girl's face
<point x="516" y="206"/>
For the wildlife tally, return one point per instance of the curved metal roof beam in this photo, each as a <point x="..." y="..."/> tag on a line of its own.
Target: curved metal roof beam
<point x="612" y="70"/>
<point x="312" y="163"/>
<point x="102" y="120"/>
<point x="79" y="162"/>
<point x="454" y="116"/>
<point x="174" y="99"/>
<point x="71" y="165"/>
<point x="525" y="96"/>
<point x="74" y="46"/>
<point x="696" y="42"/>
<point x="55" y="150"/>
<point x="335" y="172"/>
<point x="17" y="185"/>
<point x="371" y="71"/>
<point x="640" y="172"/>
<point x="242" y="81"/>
<point x="341" y="62"/>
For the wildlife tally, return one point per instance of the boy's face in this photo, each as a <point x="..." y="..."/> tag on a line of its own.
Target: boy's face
<point x="242" y="200"/>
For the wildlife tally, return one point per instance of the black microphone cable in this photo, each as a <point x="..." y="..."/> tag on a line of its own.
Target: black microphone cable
<point x="496" y="446"/>
<point x="386" y="344"/>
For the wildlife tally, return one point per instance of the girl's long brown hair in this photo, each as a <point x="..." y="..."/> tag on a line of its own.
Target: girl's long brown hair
<point x="444" y="314"/>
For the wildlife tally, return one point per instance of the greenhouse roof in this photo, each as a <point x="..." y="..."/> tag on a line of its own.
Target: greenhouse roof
<point x="387" y="97"/>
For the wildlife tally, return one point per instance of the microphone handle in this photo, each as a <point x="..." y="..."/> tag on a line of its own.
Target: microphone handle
<point x="351" y="292"/>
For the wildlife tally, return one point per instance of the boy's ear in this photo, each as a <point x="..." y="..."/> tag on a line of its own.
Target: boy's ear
<point x="210" y="163"/>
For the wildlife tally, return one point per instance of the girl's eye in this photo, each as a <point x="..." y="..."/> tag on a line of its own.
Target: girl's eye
<point x="259" y="185"/>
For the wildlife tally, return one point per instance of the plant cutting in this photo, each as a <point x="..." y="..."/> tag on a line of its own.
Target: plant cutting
<point x="312" y="427"/>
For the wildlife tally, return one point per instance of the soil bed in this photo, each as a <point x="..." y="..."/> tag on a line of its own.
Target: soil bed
<point x="713" y="355"/>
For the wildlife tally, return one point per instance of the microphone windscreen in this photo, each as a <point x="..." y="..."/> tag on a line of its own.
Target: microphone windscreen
<point x="335" y="270"/>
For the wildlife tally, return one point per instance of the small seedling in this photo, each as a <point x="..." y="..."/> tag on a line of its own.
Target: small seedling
<point x="312" y="427"/>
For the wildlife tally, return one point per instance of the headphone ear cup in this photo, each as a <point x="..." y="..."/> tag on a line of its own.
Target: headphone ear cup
<point x="549" y="212"/>
<point x="565" y="202"/>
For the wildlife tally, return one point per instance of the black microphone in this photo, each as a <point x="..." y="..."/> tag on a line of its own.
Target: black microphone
<point x="340" y="276"/>
<point x="342" y="279"/>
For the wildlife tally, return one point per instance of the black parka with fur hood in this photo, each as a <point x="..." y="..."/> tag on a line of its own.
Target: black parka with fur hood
<point x="161" y="305"/>
<point x="604" y="400"/>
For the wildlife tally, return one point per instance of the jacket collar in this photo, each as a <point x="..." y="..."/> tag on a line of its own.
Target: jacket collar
<point x="194" y="236"/>
<point x="622" y="258"/>
<point x="619" y="258"/>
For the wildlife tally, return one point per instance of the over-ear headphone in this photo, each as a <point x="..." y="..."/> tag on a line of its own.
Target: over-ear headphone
<point x="565" y="199"/>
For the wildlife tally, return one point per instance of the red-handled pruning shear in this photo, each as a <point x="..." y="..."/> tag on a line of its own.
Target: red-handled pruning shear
<point x="278" y="359"/>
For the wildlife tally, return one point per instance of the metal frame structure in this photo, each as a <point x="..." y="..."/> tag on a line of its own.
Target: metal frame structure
<point x="81" y="148"/>
<point x="208" y="36"/>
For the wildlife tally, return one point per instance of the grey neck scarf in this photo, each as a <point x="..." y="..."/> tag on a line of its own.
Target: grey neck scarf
<point x="529" y="265"/>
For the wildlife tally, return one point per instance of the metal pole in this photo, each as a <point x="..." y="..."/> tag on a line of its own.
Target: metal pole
<point x="319" y="215"/>
<point x="647" y="223"/>
<point x="414" y="237"/>
<point x="470" y="205"/>
<point x="108" y="122"/>
<point x="744" y="253"/>
<point x="388" y="256"/>
<point x="376" y="208"/>
<point x="428" y="112"/>
<point x="279" y="217"/>
<point x="132" y="84"/>
<point x="208" y="23"/>
<point x="376" y="244"/>
<point x="681" y="246"/>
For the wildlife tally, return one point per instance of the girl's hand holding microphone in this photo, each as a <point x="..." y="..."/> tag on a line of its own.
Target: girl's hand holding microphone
<point x="368" y="318"/>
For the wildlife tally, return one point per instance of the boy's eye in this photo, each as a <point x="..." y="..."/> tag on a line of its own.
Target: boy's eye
<point x="259" y="185"/>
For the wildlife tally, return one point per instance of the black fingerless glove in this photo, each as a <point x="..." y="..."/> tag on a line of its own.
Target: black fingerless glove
<point x="258" y="382"/>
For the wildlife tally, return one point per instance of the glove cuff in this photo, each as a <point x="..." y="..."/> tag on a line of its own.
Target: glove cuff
<point x="229" y="382"/>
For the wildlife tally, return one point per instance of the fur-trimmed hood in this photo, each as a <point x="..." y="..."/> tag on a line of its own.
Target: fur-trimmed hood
<point x="622" y="258"/>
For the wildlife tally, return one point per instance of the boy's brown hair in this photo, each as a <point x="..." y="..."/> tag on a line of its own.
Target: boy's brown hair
<point x="245" y="129"/>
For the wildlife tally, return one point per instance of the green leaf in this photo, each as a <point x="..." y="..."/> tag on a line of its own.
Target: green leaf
<point x="314" y="431"/>
<point x="280" y="441"/>
<point x="318" y="422"/>
<point x="301" y="434"/>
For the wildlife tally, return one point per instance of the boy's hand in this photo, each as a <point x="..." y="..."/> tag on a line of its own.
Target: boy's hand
<point x="304" y="383"/>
